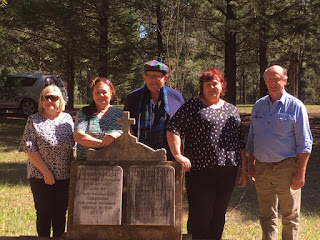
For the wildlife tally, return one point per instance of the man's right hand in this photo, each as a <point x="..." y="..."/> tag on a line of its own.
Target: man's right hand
<point x="252" y="174"/>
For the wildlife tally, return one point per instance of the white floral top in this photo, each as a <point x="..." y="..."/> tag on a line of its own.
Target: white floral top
<point x="53" y="140"/>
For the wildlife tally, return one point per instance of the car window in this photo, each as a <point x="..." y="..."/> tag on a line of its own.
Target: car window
<point x="28" y="82"/>
<point x="19" y="81"/>
<point x="13" y="82"/>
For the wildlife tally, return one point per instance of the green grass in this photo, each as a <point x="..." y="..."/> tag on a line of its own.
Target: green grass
<point x="17" y="214"/>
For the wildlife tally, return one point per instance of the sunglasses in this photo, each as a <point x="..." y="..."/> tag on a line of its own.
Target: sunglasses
<point x="53" y="98"/>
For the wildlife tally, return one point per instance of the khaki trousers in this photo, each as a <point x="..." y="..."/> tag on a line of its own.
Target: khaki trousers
<point x="273" y="181"/>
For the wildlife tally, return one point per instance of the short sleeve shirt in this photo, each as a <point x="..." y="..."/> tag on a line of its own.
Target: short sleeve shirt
<point x="53" y="140"/>
<point x="97" y="127"/>
<point x="211" y="136"/>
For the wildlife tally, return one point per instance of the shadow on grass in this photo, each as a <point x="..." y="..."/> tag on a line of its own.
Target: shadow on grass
<point x="11" y="130"/>
<point x="13" y="173"/>
<point x="311" y="191"/>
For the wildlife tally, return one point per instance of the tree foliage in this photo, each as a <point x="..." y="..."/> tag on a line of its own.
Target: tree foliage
<point x="81" y="39"/>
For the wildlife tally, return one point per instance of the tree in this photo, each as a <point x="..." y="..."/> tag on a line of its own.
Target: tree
<point x="81" y="39"/>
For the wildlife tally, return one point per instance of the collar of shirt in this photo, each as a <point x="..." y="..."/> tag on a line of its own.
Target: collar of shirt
<point x="282" y="99"/>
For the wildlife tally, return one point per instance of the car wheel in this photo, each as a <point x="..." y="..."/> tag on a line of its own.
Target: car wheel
<point x="28" y="107"/>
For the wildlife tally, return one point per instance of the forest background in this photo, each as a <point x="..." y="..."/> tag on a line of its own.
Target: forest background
<point x="81" y="39"/>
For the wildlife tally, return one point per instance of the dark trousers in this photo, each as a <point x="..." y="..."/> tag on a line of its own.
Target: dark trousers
<point x="209" y="193"/>
<point x="51" y="203"/>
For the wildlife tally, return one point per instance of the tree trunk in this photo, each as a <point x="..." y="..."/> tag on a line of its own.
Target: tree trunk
<point x="71" y="79"/>
<point x="159" y="28"/>
<point x="104" y="42"/>
<point x="263" y="63"/>
<point x="293" y="73"/>
<point x="243" y="93"/>
<point x="230" y="54"/>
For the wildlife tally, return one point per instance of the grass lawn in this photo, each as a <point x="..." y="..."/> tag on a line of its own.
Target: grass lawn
<point x="17" y="214"/>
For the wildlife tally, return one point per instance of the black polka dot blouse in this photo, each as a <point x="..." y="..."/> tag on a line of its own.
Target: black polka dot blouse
<point x="211" y="136"/>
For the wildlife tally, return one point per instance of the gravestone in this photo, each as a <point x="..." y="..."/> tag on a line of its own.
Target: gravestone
<point x="99" y="195"/>
<point x="124" y="191"/>
<point x="150" y="195"/>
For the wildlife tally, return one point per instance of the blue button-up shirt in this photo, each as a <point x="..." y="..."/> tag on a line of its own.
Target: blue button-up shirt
<point x="279" y="130"/>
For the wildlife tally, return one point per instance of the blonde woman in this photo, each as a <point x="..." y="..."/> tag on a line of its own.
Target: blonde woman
<point x="48" y="143"/>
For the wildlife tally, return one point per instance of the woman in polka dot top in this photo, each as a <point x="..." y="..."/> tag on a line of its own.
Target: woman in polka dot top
<point x="214" y="150"/>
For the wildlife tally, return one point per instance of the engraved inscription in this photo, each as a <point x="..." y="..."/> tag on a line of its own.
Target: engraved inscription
<point x="98" y="195"/>
<point x="151" y="195"/>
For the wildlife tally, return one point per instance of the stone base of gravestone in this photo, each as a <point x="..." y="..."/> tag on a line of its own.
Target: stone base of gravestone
<point x="143" y="183"/>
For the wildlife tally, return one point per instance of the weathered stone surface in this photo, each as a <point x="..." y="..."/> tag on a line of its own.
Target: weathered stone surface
<point x="150" y="199"/>
<point x="98" y="195"/>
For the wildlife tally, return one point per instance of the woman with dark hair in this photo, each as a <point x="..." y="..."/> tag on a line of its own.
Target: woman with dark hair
<point x="48" y="142"/>
<point x="214" y="150"/>
<point x="96" y="125"/>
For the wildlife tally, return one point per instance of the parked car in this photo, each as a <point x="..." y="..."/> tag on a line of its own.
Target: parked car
<point x="22" y="90"/>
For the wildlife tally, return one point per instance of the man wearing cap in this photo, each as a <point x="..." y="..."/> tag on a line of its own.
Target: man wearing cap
<point x="152" y="105"/>
<point x="279" y="145"/>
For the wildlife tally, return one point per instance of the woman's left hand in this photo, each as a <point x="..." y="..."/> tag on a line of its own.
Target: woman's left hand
<point x="242" y="180"/>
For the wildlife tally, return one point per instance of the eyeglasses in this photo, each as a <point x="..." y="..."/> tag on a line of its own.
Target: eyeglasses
<point x="154" y="77"/>
<point x="53" y="98"/>
<point x="275" y="79"/>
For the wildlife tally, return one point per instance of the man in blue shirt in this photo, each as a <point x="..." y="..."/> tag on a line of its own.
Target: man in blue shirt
<point x="279" y="145"/>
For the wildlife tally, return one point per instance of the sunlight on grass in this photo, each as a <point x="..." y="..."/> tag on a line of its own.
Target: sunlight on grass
<point x="17" y="214"/>
<point x="12" y="157"/>
<point x="249" y="229"/>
